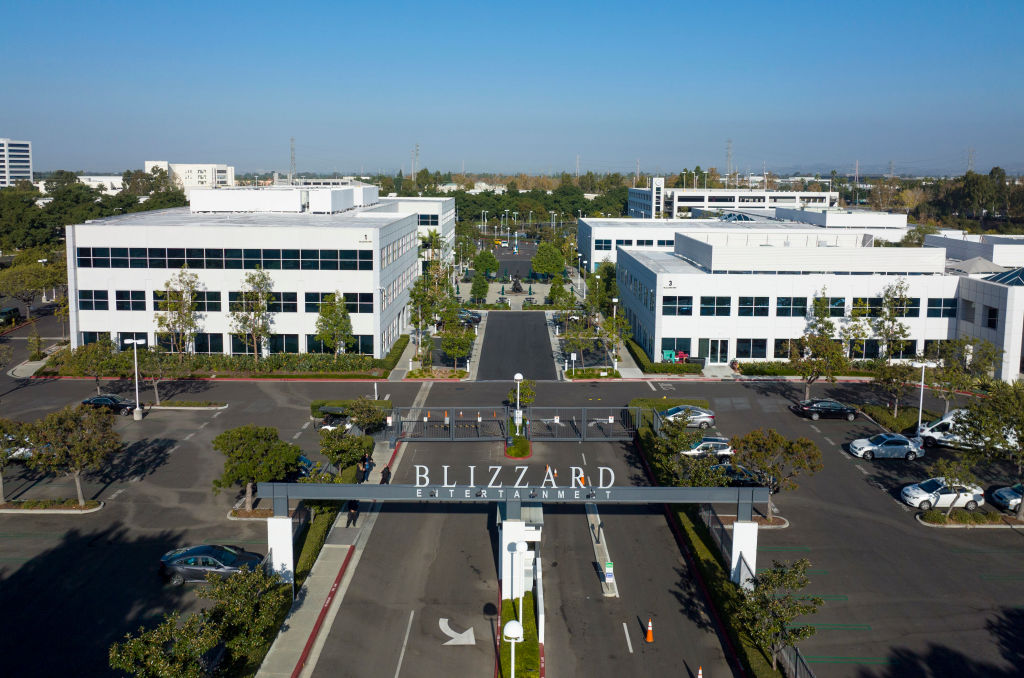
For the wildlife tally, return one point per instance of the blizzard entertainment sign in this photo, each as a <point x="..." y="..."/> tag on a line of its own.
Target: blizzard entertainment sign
<point x="502" y="482"/>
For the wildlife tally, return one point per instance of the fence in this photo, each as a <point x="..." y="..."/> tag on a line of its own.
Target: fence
<point x="793" y="663"/>
<point x="582" y="423"/>
<point x="718" y="532"/>
<point x="452" y="423"/>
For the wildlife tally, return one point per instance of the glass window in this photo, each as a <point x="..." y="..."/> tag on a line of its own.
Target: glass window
<point x="361" y="343"/>
<point x="791" y="307"/>
<point x="84" y="255"/>
<point x="195" y="257"/>
<point x="665" y="243"/>
<point x="782" y="348"/>
<point x="676" y="344"/>
<point x="904" y="350"/>
<point x="865" y="349"/>
<point x="209" y="343"/>
<point x="942" y="308"/>
<point x="214" y="258"/>
<point x="645" y="243"/>
<point x="715" y="305"/>
<point x="93" y="300"/>
<point x="233" y="259"/>
<point x="624" y="243"/>
<point x="992" y="317"/>
<point x="93" y="337"/>
<point x="313" y="301"/>
<point x="328" y="260"/>
<point x="119" y="257"/>
<point x="909" y="308"/>
<point x="101" y="257"/>
<point x="130" y="300"/>
<point x="241" y="345"/>
<point x="358" y="303"/>
<point x="207" y="302"/>
<point x="751" y="348"/>
<point x="677" y="305"/>
<point x="284" y="302"/>
<point x="314" y="345"/>
<point x="272" y="260"/>
<point x="603" y="244"/>
<point x="252" y="259"/>
<point x="753" y="306"/>
<point x="967" y="312"/>
<point x="175" y="257"/>
<point x="284" y="343"/>
<point x="137" y="257"/>
<point x="867" y="307"/>
<point x="124" y="345"/>
<point x="836" y="307"/>
<point x="290" y="260"/>
<point x="310" y="260"/>
<point x="158" y="257"/>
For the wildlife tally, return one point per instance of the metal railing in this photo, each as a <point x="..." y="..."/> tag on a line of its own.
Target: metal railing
<point x="793" y="663"/>
<point x="582" y="423"/>
<point x="718" y="532"/>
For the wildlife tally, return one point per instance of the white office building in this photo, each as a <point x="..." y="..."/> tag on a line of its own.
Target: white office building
<point x="15" y="161"/>
<point x="313" y="242"/>
<point x="108" y="184"/>
<point x="195" y="175"/>
<point x="659" y="202"/>
<point x="724" y="294"/>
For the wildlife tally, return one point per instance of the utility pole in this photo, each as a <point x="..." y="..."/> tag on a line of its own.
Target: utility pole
<point x="970" y="159"/>
<point x="577" y="169"/>
<point x="891" y="175"/>
<point x="636" y="176"/>
<point x="291" y="172"/>
<point x="856" y="180"/>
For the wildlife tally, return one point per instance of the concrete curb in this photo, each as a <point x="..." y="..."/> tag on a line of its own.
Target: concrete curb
<point x="52" y="512"/>
<point x="785" y="524"/>
<point x="353" y="380"/>
<point x="958" y="526"/>
<point x="174" y="407"/>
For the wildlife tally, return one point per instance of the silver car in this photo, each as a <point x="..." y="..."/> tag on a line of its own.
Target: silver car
<point x="887" y="445"/>
<point x="709" y="445"/>
<point x="1008" y="498"/>
<point x="935" y="493"/>
<point x="696" y="417"/>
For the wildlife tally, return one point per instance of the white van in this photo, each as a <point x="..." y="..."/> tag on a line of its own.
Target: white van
<point x="943" y="431"/>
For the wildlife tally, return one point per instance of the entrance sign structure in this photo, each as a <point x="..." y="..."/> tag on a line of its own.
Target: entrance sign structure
<point x="513" y="498"/>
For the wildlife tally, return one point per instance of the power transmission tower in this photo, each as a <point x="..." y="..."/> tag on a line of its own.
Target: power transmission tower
<point x="577" y="169"/>
<point x="970" y="159"/>
<point x="291" y="171"/>
<point x="856" y="180"/>
<point x="636" y="176"/>
<point x="728" y="161"/>
<point x="891" y="175"/>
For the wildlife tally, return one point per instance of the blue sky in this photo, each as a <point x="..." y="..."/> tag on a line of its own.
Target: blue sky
<point x="516" y="86"/>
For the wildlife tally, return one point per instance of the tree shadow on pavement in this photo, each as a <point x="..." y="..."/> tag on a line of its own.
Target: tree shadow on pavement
<point x="139" y="459"/>
<point x="691" y="599"/>
<point x="96" y="585"/>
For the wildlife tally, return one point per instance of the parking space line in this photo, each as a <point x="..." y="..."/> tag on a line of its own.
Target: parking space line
<point x="655" y="390"/>
<point x="584" y="458"/>
<point x="305" y="426"/>
<point x="217" y="414"/>
<point x="829" y="440"/>
<point x="297" y="434"/>
<point x="173" y="449"/>
<point x="816" y="428"/>
<point x="189" y="436"/>
<point x="203" y="425"/>
<point x="387" y="396"/>
<point x="117" y="494"/>
<point x="401" y="655"/>
<point x="861" y="469"/>
<point x="629" y="643"/>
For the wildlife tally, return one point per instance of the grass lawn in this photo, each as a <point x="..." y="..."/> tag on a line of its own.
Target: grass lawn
<point x="528" y="651"/>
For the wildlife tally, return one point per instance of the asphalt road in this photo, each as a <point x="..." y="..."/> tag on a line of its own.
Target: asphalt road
<point x="516" y="264"/>
<point x="516" y="341"/>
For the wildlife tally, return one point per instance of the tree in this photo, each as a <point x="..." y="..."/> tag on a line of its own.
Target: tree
<point x="702" y="471"/>
<point x="956" y="472"/>
<point x="893" y="379"/>
<point x="342" y="449"/>
<point x="527" y="393"/>
<point x="247" y="606"/>
<point x="959" y="365"/>
<point x="170" y="650"/>
<point x="817" y="354"/>
<point x="73" y="440"/>
<point x="887" y="324"/>
<point x="157" y="365"/>
<point x="485" y="262"/>
<point x="24" y="283"/>
<point x="12" y="433"/>
<point x="456" y="338"/>
<point x="365" y="414"/>
<point x="253" y="454"/>
<point x="97" y="359"/>
<point x="480" y="286"/>
<point x="768" y="610"/>
<point x="579" y="338"/>
<point x="779" y="460"/>
<point x="250" y="315"/>
<point x="177" y="316"/>
<point x="62" y="311"/>
<point x="333" y="325"/>
<point x="548" y="261"/>
<point x="994" y="427"/>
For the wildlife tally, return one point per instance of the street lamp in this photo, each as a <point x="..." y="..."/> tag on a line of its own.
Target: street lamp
<point x="137" y="412"/>
<point x="583" y="283"/>
<point x="615" y="336"/>
<point x="518" y="378"/>
<point x="512" y="634"/>
<point x="920" y="403"/>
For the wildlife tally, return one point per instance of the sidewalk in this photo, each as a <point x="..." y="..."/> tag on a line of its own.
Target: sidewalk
<point x="402" y="368"/>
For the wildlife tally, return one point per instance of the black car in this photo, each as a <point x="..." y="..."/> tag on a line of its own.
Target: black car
<point x="114" y="403"/>
<point x="195" y="562"/>
<point x="740" y="476"/>
<point x="823" y="407"/>
<point x="469" y="317"/>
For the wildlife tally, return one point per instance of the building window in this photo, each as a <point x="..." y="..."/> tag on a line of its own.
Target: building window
<point x="992" y="318"/>
<point x="910" y="308"/>
<point x="932" y="347"/>
<point x="427" y="219"/>
<point x="93" y="337"/>
<point x="209" y="343"/>
<point x="93" y="300"/>
<point x="783" y="348"/>
<point x="904" y="350"/>
<point x="207" y="302"/>
<point x="241" y="345"/>
<point x="715" y="305"/>
<point x="624" y="243"/>
<point x="362" y="344"/>
<point x="866" y="307"/>
<point x="675" y="344"/>
<point x="313" y="301"/>
<point x="603" y="245"/>
<point x="284" y="302"/>
<point x="967" y="312"/>
<point x="361" y="302"/>
<point x="677" y="305"/>
<point x="836" y="307"/>
<point x="791" y="307"/>
<point x="645" y="243"/>
<point x="864" y="349"/>
<point x="751" y="348"/>
<point x="124" y="345"/>
<point x="942" y="308"/>
<point x="753" y="306"/>
<point x="314" y="345"/>
<point x="118" y="257"/>
<point x="284" y="343"/>
<point x="130" y="300"/>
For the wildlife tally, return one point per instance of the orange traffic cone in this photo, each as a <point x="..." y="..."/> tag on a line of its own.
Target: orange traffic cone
<point x="650" y="631"/>
<point x="700" y="672"/>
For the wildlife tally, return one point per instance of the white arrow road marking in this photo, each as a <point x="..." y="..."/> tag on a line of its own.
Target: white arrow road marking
<point x="464" y="638"/>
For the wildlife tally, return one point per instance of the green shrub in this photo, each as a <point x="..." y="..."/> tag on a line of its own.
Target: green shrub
<point x="397" y="349"/>
<point x="520" y="447"/>
<point x="314" y="406"/>
<point x="907" y="417"/>
<point x="527" y="651"/>
<point x="647" y="366"/>
<point x="316" y="535"/>
<point x="190" y="403"/>
<point x="934" y="516"/>
<point x="593" y="373"/>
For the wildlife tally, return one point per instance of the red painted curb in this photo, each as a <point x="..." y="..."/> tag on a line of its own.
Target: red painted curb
<point x="216" y="379"/>
<point x="18" y="327"/>
<point x="543" y="668"/>
<point x="320" y="617"/>
<point x="507" y="456"/>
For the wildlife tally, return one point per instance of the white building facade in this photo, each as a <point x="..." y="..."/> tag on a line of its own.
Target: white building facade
<point x="117" y="268"/>
<point x="658" y="202"/>
<point x="195" y="175"/>
<point x="15" y="161"/>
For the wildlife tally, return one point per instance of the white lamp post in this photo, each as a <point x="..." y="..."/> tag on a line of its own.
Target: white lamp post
<point x="615" y="336"/>
<point x="137" y="412"/>
<point x="512" y="634"/>
<point x="920" y="402"/>
<point x="583" y="283"/>
<point x="520" y="548"/>
<point x="518" y="378"/>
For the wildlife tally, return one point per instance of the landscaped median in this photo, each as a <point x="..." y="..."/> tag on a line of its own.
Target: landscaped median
<point x="700" y="547"/>
<point x="528" y="650"/>
<point x="50" y="506"/>
<point x="592" y="373"/>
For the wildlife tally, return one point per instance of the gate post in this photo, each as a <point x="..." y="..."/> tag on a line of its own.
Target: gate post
<point x="744" y="539"/>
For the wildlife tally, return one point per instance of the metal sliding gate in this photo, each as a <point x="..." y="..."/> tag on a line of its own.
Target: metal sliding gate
<point x="581" y="423"/>
<point x="450" y="423"/>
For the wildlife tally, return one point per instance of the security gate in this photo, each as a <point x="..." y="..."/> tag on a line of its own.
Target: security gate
<point x="582" y="423"/>
<point x="449" y="423"/>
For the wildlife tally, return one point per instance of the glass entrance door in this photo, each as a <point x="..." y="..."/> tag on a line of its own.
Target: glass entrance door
<point x="718" y="351"/>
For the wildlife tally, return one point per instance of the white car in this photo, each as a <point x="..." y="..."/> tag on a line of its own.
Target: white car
<point x="1008" y="498"/>
<point x="709" y="445"/>
<point x="17" y="451"/>
<point x="935" y="493"/>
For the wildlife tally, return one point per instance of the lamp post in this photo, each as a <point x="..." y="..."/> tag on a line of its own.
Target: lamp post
<point x="512" y="634"/>
<point x="137" y="412"/>
<point x="615" y="335"/>
<point x="920" y="402"/>
<point x="483" y="221"/>
<point x="583" y="283"/>
<point x="520" y="547"/>
<point x="518" y="378"/>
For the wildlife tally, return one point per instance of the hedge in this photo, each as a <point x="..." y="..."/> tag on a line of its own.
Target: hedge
<point x="397" y="349"/>
<point x="645" y="364"/>
<point x="961" y="517"/>
<point x="314" y="406"/>
<point x="906" y="419"/>
<point x="528" y="650"/>
<point x="592" y="373"/>
<point x="781" y="368"/>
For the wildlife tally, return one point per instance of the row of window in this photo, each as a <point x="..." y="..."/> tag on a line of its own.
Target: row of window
<point x="210" y="302"/>
<point x="606" y="244"/>
<point x="798" y="307"/>
<point x="206" y="342"/>
<point x="197" y="257"/>
<point x="428" y="219"/>
<point x="864" y="349"/>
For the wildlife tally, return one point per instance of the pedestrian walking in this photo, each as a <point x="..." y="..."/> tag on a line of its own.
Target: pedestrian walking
<point x="361" y="470"/>
<point x="353" y="513"/>
<point x="385" y="476"/>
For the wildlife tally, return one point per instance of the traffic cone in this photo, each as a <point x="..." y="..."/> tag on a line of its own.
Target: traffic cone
<point x="650" y="632"/>
<point x="700" y="672"/>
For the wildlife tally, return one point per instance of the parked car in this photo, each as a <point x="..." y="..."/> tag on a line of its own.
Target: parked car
<point x="696" y="417"/>
<point x="709" y="445"/>
<point x="502" y="300"/>
<point x="935" y="493"/>
<point x="888" y="446"/>
<point x="112" y="402"/>
<point x="193" y="563"/>
<point x="17" y="450"/>
<point x="10" y="315"/>
<point x="529" y="301"/>
<point x="943" y="431"/>
<point x="741" y="476"/>
<point x="467" y="316"/>
<point x="818" y="408"/>
<point x="1008" y="498"/>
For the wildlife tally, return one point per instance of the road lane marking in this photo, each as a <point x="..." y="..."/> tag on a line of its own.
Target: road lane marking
<point x="653" y="389"/>
<point x="297" y="434"/>
<point x="401" y="655"/>
<point x="783" y="548"/>
<point x="584" y="458"/>
<point x="861" y="469"/>
<point x="816" y="428"/>
<point x="189" y="436"/>
<point x="387" y="396"/>
<point x="629" y="643"/>
<point x="217" y="414"/>
<point x="829" y="440"/>
<point x="117" y="494"/>
<point x="203" y="425"/>
<point x="305" y="426"/>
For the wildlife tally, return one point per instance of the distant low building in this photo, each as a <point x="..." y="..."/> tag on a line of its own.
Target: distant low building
<point x="657" y="201"/>
<point x="195" y="175"/>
